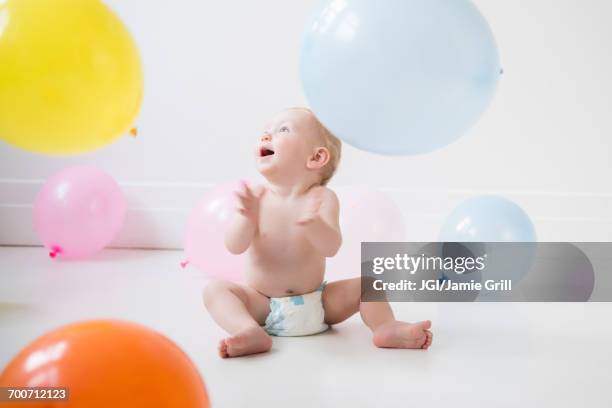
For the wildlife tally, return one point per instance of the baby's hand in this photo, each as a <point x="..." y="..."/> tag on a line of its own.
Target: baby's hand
<point x="248" y="200"/>
<point x="312" y="211"/>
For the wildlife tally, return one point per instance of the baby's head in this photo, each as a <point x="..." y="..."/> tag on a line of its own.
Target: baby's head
<point x="295" y="148"/>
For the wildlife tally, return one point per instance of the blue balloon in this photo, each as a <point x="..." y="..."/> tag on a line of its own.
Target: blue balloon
<point x="488" y="219"/>
<point x="399" y="76"/>
<point x="483" y="220"/>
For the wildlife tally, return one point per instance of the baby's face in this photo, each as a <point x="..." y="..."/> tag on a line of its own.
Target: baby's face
<point x="285" y="145"/>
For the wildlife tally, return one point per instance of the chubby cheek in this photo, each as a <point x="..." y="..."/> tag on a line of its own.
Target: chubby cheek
<point x="290" y="148"/>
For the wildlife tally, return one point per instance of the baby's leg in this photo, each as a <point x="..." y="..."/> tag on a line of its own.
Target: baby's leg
<point x="342" y="299"/>
<point x="239" y="310"/>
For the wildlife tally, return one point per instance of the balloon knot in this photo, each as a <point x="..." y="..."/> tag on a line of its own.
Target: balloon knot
<point x="55" y="250"/>
<point x="184" y="264"/>
<point x="134" y="132"/>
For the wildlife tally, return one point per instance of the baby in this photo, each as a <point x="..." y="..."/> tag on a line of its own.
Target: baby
<point x="288" y="227"/>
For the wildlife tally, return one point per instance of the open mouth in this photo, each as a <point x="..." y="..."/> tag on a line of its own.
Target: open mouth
<point x="264" y="151"/>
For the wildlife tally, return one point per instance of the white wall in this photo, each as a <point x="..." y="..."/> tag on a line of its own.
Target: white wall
<point x="216" y="70"/>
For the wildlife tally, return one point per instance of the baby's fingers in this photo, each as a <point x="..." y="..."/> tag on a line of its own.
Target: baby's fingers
<point x="246" y="190"/>
<point x="305" y="220"/>
<point x="243" y="200"/>
<point x="259" y="192"/>
<point x="241" y="190"/>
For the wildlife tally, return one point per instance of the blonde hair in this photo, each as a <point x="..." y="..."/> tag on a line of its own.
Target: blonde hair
<point x="332" y="144"/>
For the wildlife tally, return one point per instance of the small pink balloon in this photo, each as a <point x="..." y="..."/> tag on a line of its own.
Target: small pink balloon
<point x="204" y="237"/>
<point x="365" y="216"/>
<point x="78" y="212"/>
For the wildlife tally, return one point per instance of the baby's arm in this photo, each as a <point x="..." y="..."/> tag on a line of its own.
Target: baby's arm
<point x="321" y="222"/>
<point x="242" y="229"/>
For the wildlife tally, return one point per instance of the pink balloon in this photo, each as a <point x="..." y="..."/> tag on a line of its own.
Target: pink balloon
<point x="365" y="216"/>
<point x="78" y="212"/>
<point x="204" y="237"/>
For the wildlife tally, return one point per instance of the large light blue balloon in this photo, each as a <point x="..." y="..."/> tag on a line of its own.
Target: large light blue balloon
<point x="488" y="219"/>
<point x="399" y="76"/>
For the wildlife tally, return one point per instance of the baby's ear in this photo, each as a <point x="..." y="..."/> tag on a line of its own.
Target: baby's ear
<point x="318" y="159"/>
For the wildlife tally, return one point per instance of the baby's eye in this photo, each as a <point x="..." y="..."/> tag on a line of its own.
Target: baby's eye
<point x="283" y="129"/>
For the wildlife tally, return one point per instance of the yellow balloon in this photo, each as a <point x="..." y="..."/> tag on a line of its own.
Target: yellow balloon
<point x="70" y="75"/>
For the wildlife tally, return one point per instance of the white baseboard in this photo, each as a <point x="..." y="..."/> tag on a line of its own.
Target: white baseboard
<point x="157" y="213"/>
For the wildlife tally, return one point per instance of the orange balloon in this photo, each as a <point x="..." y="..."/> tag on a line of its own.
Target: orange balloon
<point x="108" y="363"/>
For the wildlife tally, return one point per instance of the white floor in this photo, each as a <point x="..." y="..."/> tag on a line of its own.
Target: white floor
<point x="489" y="355"/>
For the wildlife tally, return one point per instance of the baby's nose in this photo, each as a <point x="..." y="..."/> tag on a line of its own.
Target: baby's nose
<point x="266" y="137"/>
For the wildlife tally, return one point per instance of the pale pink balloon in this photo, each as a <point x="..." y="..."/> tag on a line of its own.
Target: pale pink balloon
<point x="204" y="237"/>
<point x="78" y="212"/>
<point x="365" y="216"/>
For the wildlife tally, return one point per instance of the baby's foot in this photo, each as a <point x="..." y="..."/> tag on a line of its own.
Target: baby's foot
<point x="250" y="341"/>
<point x="398" y="334"/>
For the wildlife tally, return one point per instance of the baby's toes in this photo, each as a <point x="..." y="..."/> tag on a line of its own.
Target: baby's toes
<point x="428" y="340"/>
<point x="223" y="349"/>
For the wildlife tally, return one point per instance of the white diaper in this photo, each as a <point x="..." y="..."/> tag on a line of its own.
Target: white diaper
<point x="299" y="315"/>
